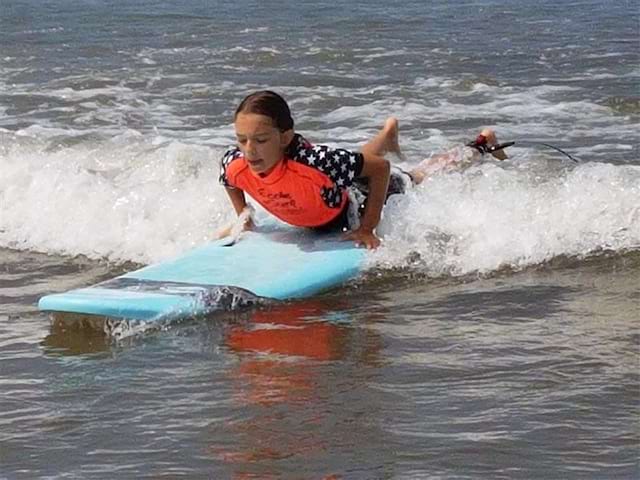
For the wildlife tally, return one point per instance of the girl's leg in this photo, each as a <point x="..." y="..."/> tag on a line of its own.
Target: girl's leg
<point x="434" y="164"/>
<point x="453" y="159"/>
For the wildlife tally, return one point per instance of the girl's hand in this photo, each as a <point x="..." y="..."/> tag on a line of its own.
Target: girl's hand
<point x="223" y="232"/>
<point x="242" y="224"/>
<point x="363" y="237"/>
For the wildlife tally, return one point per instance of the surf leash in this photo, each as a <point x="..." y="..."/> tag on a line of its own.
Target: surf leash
<point x="566" y="154"/>
<point x="481" y="144"/>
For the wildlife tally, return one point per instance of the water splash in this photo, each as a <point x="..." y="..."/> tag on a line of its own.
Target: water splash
<point x="512" y="215"/>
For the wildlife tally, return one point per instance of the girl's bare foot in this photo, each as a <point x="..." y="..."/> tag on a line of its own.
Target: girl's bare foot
<point x="490" y="135"/>
<point x="390" y="132"/>
<point x="385" y="141"/>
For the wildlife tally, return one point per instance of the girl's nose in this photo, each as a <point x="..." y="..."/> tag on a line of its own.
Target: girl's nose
<point x="250" y="146"/>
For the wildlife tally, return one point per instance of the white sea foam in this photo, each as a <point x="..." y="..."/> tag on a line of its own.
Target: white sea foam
<point x="117" y="200"/>
<point x="109" y="186"/>
<point x="145" y="199"/>
<point x="492" y="216"/>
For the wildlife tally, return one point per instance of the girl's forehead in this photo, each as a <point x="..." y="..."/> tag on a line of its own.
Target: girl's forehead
<point x="253" y="122"/>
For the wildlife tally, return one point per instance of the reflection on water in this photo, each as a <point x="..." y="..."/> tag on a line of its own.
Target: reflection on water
<point x="82" y="334"/>
<point x="80" y="337"/>
<point x="297" y="385"/>
<point x="293" y="370"/>
<point x="291" y="330"/>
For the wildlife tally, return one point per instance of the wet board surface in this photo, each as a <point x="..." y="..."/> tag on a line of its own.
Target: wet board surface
<point x="278" y="264"/>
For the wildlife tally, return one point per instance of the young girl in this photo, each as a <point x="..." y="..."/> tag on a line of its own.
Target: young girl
<point x="328" y="189"/>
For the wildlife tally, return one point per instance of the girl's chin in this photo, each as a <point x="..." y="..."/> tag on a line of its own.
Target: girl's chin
<point x="256" y="165"/>
<point x="257" y="169"/>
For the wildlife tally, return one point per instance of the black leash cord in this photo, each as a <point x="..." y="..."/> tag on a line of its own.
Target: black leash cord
<point x="500" y="146"/>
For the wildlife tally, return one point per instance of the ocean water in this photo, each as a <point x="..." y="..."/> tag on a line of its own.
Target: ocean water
<point x="495" y="332"/>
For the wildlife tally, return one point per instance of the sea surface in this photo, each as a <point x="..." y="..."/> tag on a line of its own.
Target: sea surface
<point x="495" y="334"/>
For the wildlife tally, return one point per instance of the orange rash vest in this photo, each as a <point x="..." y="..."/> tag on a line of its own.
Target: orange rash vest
<point x="307" y="188"/>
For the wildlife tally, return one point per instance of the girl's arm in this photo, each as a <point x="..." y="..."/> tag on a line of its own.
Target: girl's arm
<point x="377" y="170"/>
<point x="239" y="203"/>
<point x="237" y="198"/>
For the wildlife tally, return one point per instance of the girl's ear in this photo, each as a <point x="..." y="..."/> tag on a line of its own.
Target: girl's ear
<point x="286" y="137"/>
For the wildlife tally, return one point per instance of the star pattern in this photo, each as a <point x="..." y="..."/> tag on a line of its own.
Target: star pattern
<point x="340" y="165"/>
<point x="229" y="156"/>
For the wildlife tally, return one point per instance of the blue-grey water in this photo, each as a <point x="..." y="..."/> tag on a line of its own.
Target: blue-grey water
<point x="495" y="332"/>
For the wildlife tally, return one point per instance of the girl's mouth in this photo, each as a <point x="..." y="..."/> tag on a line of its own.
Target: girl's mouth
<point x="256" y="165"/>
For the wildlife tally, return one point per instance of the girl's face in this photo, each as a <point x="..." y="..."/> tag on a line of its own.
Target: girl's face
<point x="260" y="141"/>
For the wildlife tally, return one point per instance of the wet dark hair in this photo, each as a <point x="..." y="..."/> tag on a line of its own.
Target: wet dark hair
<point x="269" y="104"/>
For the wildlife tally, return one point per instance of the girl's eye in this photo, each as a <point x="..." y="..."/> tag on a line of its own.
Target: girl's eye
<point x="243" y="141"/>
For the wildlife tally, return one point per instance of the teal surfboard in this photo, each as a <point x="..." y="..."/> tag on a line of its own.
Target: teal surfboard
<point x="280" y="264"/>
